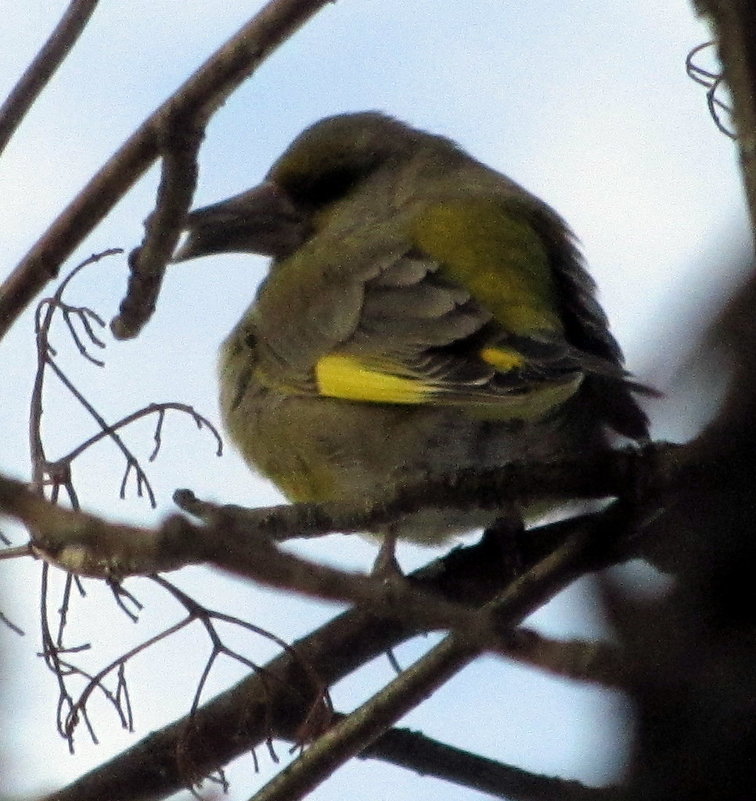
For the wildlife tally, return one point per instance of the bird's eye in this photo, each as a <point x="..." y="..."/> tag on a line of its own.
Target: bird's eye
<point x="325" y="188"/>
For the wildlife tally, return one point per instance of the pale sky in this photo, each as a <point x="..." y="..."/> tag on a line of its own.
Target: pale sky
<point x="584" y="103"/>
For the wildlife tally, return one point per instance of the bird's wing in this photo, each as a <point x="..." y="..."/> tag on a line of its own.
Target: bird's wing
<point x="462" y="311"/>
<point x="439" y="346"/>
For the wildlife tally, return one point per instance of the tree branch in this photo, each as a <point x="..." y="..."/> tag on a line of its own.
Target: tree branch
<point x="87" y="545"/>
<point x="277" y="705"/>
<point x="583" y="660"/>
<point x="162" y="229"/>
<point x="43" y="67"/>
<point x="237" y="539"/>
<point x="428" y="757"/>
<point x="196" y="99"/>
<point x="361" y="728"/>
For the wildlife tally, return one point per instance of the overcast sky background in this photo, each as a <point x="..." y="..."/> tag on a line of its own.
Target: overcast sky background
<point x="584" y="103"/>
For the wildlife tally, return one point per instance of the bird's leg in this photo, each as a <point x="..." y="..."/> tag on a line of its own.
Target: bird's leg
<point x="385" y="565"/>
<point x="505" y="538"/>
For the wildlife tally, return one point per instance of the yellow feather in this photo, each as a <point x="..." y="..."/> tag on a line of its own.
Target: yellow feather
<point x="346" y="377"/>
<point x="502" y="359"/>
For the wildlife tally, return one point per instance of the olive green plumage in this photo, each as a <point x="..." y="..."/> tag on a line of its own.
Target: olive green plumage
<point x="421" y="313"/>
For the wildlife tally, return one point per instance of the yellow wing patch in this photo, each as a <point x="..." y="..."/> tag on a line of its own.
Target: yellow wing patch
<point x="502" y="359"/>
<point x="346" y="377"/>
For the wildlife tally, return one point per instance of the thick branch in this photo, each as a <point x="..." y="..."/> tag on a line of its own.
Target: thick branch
<point x="278" y="702"/>
<point x="87" y="545"/>
<point x="593" y="661"/>
<point x="237" y="539"/>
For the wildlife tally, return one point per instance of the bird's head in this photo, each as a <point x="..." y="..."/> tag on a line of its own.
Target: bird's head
<point x="323" y="166"/>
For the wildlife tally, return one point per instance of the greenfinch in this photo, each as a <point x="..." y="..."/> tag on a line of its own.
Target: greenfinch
<point x="422" y="313"/>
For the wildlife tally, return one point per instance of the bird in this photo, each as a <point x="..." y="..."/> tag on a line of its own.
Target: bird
<point x="422" y="314"/>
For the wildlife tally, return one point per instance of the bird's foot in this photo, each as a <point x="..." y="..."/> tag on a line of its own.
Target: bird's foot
<point x="385" y="565"/>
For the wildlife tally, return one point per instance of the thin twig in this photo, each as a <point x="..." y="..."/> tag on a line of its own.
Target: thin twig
<point x="592" y="661"/>
<point x="414" y="751"/>
<point x="153" y="408"/>
<point x="43" y="67"/>
<point x="734" y="23"/>
<point x="713" y="83"/>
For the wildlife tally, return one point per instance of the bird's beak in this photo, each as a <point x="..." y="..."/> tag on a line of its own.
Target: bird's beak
<point x="263" y="220"/>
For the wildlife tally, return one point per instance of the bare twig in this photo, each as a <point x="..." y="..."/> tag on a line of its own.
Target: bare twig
<point x="57" y="475"/>
<point x="735" y="29"/>
<point x="17" y="551"/>
<point x="58" y="472"/>
<point x="43" y="67"/>
<point x="158" y="409"/>
<point x="45" y="352"/>
<point x="143" y="483"/>
<point x="583" y="660"/>
<point x="179" y="178"/>
<point x="6" y="621"/>
<point x="714" y="83"/>
<point x="414" y="751"/>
